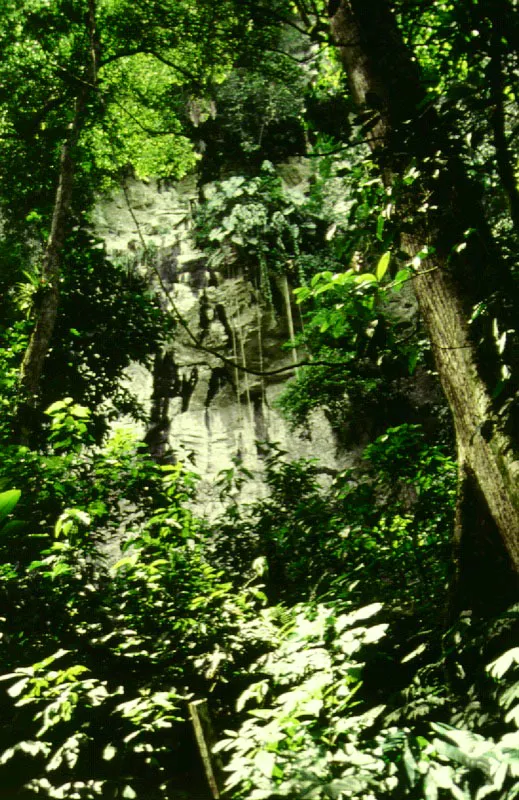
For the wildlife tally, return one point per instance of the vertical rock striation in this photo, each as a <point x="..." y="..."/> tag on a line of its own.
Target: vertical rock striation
<point x="201" y="408"/>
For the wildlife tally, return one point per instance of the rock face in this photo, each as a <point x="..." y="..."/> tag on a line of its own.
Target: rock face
<point x="202" y="408"/>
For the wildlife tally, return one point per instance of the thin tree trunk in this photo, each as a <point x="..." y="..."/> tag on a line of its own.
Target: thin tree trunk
<point x="455" y="270"/>
<point x="47" y="310"/>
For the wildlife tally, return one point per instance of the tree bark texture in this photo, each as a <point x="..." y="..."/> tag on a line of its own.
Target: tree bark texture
<point x="47" y="311"/>
<point x="444" y="233"/>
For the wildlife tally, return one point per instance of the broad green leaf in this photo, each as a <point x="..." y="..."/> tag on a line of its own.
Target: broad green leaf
<point x="324" y="288"/>
<point x="30" y="747"/>
<point x="301" y="294"/>
<point x="265" y="762"/>
<point x="260" y="565"/>
<point x="50" y="659"/>
<point x="321" y="276"/>
<point x="366" y="612"/>
<point x="58" y="406"/>
<point x="17" y="526"/>
<point x="17" y="688"/>
<point x="502" y="664"/>
<point x="513" y="716"/>
<point x="8" y="501"/>
<point x="510" y="695"/>
<point x="126" y="561"/>
<point x="223" y="744"/>
<point x="80" y="515"/>
<point x="61" y="569"/>
<point x="401" y="277"/>
<point x="375" y="633"/>
<point x="262" y="713"/>
<point x="430" y="787"/>
<point x="313" y="707"/>
<point x="383" y="265"/>
<point x="9" y="675"/>
<point x="109" y="752"/>
<point x="80" y="411"/>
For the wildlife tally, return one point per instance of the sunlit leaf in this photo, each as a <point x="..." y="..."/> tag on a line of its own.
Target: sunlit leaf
<point x="17" y="688"/>
<point x="8" y="501"/>
<point x="502" y="664"/>
<point x="366" y="611"/>
<point x="383" y="265"/>
<point x="414" y="653"/>
<point x="109" y="752"/>
<point x="265" y="762"/>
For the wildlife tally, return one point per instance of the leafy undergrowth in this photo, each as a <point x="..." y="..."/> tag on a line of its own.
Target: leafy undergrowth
<point x="302" y="619"/>
<point x="311" y="732"/>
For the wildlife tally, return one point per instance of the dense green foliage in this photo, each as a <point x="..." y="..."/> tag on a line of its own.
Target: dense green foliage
<point x="317" y="620"/>
<point x="103" y="654"/>
<point x="387" y="522"/>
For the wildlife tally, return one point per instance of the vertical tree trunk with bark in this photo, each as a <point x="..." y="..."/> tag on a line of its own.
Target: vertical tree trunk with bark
<point x="457" y="267"/>
<point x="47" y="310"/>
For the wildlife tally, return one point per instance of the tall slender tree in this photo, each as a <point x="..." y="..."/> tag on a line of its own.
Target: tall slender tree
<point x="47" y="311"/>
<point x="93" y="56"/>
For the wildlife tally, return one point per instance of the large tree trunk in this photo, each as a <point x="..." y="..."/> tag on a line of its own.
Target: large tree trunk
<point x="47" y="309"/>
<point x="456" y="267"/>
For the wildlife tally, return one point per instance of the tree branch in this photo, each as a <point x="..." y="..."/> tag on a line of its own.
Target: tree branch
<point x="196" y="342"/>
<point x="291" y="57"/>
<point x="182" y="70"/>
<point x="149" y="131"/>
<point x="147" y="51"/>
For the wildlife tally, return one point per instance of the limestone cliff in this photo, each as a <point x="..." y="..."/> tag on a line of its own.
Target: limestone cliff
<point x="201" y="409"/>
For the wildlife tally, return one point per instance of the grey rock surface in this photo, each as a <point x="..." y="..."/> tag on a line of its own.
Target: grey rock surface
<point x="201" y="409"/>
